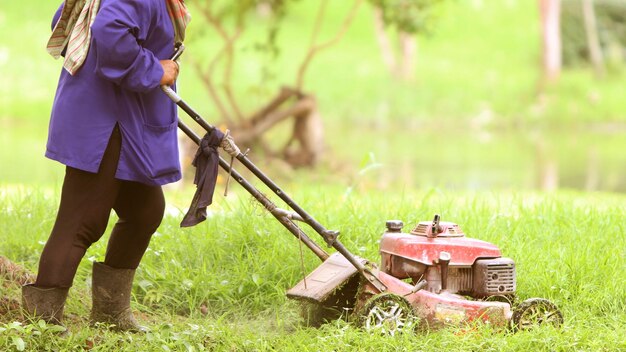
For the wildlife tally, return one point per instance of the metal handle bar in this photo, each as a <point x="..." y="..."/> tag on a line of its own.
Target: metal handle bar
<point x="278" y="213"/>
<point x="329" y="236"/>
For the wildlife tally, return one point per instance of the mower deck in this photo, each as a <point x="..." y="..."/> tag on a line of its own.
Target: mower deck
<point x="319" y="285"/>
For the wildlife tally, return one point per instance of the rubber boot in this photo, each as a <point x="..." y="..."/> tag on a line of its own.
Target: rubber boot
<point x="110" y="291"/>
<point x="44" y="303"/>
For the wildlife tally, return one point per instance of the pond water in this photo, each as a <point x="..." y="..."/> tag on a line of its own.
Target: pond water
<point x="592" y="159"/>
<point x="396" y="157"/>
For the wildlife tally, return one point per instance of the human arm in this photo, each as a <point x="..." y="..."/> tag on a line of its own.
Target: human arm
<point x="170" y="72"/>
<point x="118" y="32"/>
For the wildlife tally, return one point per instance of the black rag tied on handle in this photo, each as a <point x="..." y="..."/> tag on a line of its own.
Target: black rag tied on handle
<point x="206" y="162"/>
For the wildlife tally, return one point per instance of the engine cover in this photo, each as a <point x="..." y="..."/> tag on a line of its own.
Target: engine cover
<point x="464" y="251"/>
<point x="493" y="277"/>
<point x="475" y="267"/>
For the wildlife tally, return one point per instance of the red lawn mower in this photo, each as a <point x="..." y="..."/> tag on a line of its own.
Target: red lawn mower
<point x="432" y="276"/>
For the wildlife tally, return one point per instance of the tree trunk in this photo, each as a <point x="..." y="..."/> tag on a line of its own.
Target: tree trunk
<point x="405" y="69"/>
<point x="550" y="13"/>
<point x="593" y="42"/>
<point x="547" y="169"/>
<point x="383" y="41"/>
<point x="408" y="45"/>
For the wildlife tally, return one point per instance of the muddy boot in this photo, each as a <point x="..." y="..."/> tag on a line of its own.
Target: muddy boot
<point x="44" y="303"/>
<point x="110" y="291"/>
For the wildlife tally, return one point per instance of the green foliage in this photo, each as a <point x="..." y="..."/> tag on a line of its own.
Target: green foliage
<point x="244" y="16"/>
<point x="410" y="16"/>
<point x="464" y="68"/>
<point x="13" y="336"/>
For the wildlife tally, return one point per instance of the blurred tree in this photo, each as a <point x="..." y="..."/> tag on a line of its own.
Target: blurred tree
<point x="406" y="18"/>
<point x="591" y="29"/>
<point x="549" y="14"/>
<point x="230" y="19"/>
<point x="598" y="23"/>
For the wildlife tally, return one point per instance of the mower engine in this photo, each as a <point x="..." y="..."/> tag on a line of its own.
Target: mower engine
<point x="439" y="253"/>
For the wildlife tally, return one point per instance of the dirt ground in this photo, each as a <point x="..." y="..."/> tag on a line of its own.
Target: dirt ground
<point x="12" y="273"/>
<point x="12" y="277"/>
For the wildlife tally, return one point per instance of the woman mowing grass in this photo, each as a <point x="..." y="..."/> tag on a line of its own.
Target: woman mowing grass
<point x="115" y="131"/>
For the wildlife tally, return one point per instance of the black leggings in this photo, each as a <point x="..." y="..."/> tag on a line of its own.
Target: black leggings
<point x="86" y="203"/>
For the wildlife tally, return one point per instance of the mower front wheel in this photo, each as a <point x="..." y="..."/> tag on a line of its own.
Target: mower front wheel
<point x="509" y="299"/>
<point x="536" y="311"/>
<point x="388" y="314"/>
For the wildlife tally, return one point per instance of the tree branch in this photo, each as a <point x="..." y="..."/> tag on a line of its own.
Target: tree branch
<point x="284" y="95"/>
<point x="208" y="83"/>
<point x="228" y="72"/>
<point x="227" y="51"/>
<point x="321" y="12"/>
<point x="314" y="49"/>
<point x="274" y="117"/>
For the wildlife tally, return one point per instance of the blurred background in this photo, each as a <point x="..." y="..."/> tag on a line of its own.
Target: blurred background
<point x="373" y="94"/>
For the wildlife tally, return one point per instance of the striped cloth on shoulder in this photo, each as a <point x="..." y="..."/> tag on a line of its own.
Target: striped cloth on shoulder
<point x="180" y="18"/>
<point x="72" y="32"/>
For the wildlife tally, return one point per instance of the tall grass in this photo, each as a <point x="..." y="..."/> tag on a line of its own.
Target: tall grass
<point x="221" y="284"/>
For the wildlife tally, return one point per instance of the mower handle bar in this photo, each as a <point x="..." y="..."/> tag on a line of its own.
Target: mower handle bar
<point x="280" y="214"/>
<point x="329" y="236"/>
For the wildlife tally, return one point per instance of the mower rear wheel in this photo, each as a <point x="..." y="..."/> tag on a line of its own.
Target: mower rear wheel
<point x="388" y="314"/>
<point x="534" y="312"/>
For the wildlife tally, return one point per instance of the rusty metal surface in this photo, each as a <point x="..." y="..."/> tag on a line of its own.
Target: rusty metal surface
<point x="443" y="229"/>
<point x="331" y="275"/>
<point x="494" y="277"/>
<point x="463" y="251"/>
<point x="443" y="308"/>
<point x="459" y="280"/>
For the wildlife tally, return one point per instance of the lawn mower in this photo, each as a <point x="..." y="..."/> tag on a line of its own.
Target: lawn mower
<point x="431" y="277"/>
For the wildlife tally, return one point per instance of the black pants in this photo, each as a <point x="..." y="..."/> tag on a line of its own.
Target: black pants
<point x="86" y="203"/>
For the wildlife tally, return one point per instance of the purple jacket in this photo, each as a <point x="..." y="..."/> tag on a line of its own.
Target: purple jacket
<point x="119" y="84"/>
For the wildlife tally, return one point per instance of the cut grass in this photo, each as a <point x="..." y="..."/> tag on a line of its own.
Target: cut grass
<point x="568" y="248"/>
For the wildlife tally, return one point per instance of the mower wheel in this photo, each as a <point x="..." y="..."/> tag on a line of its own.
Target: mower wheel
<point x="534" y="312"/>
<point x="388" y="314"/>
<point x="510" y="299"/>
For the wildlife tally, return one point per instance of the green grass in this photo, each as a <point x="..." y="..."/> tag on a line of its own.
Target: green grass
<point x="471" y="121"/>
<point x="568" y="248"/>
